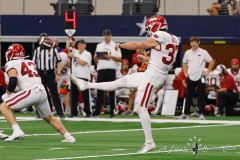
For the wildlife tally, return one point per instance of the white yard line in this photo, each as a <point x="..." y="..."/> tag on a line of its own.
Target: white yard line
<point x="134" y="130"/>
<point x="126" y="154"/>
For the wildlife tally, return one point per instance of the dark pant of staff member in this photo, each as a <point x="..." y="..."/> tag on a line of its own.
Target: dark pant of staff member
<point x="74" y="100"/>
<point x="201" y="95"/>
<point x="227" y="100"/>
<point x="105" y="75"/>
<point x="48" y="80"/>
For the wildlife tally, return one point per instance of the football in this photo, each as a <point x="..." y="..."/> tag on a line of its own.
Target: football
<point x="46" y="42"/>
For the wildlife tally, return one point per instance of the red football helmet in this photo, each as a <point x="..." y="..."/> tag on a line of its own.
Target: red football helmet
<point x="15" y="51"/>
<point x="156" y="23"/>
<point x="209" y="109"/>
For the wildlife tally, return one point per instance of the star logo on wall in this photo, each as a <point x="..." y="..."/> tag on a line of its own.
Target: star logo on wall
<point x="142" y="26"/>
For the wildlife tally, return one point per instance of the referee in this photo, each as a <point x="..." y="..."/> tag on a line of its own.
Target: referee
<point x="47" y="60"/>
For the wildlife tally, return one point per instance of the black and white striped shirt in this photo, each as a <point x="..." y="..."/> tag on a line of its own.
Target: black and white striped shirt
<point x="46" y="59"/>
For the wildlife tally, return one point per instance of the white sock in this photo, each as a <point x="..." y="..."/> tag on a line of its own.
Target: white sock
<point x="109" y="86"/>
<point x="16" y="127"/>
<point x="67" y="135"/>
<point x="146" y="124"/>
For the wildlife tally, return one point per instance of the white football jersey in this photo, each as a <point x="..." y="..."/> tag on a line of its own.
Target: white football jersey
<point x="27" y="73"/>
<point x="236" y="76"/>
<point x="213" y="79"/>
<point x="162" y="60"/>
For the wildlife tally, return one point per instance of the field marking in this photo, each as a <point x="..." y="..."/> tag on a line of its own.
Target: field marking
<point x="51" y="149"/>
<point x="133" y="130"/>
<point x="120" y="149"/>
<point x="126" y="154"/>
<point x="134" y="120"/>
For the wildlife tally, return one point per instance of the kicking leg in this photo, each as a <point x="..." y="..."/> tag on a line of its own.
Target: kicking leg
<point x="106" y="86"/>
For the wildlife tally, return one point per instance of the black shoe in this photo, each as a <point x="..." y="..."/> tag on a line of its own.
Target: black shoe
<point x="72" y="116"/>
<point x="95" y="115"/>
<point x="88" y="116"/>
<point x="112" y="116"/>
<point x="61" y="117"/>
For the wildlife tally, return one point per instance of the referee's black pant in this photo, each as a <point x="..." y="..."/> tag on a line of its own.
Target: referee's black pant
<point x="201" y="95"/>
<point x="105" y="75"/>
<point x="74" y="100"/>
<point x="48" y="80"/>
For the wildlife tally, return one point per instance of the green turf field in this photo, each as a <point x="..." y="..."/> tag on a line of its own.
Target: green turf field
<point x="105" y="140"/>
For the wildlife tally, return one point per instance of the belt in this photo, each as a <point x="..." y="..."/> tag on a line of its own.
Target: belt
<point x="46" y="71"/>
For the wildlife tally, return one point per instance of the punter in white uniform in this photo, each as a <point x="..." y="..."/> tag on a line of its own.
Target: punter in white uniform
<point x="23" y="73"/>
<point x="164" y="48"/>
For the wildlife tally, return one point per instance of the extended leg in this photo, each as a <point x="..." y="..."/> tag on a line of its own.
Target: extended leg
<point x="57" y="125"/>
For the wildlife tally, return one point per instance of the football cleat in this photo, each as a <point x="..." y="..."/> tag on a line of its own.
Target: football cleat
<point x="147" y="147"/>
<point x="81" y="84"/>
<point x="2" y="135"/>
<point x="183" y="116"/>
<point x="16" y="135"/>
<point x="69" y="140"/>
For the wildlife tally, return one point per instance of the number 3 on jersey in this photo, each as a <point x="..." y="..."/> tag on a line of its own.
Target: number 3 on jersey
<point x="174" y="49"/>
<point x="25" y="70"/>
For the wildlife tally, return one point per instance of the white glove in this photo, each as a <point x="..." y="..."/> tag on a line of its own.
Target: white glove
<point x="5" y="96"/>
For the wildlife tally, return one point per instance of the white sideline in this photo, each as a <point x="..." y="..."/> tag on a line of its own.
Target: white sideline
<point x="135" y="120"/>
<point x="126" y="154"/>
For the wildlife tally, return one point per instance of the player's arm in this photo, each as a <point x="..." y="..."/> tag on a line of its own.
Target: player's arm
<point x="210" y="67"/>
<point x="143" y="58"/>
<point x="12" y="74"/>
<point x="184" y="66"/>
<point x="150" y="43"/>
<point x="80" y="61"/>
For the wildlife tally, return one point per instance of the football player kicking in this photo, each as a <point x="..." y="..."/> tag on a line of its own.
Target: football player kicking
<point x="164" y="48"/>
<point x="23" y="73"/>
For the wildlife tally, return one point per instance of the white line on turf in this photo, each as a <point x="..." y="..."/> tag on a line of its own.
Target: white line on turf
<point x="120" y="149"/>
<point x="50" y="149"/>
<point x="133" y="130"/>
<point x="126" y="154"/>
<point x="136" y="120"/>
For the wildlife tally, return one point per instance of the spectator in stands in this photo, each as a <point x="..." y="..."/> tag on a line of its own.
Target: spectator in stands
<point x="227" y="92"/>
<point x="193" y="64"/>
<point x="81" y="64"/>
<point x="237" y="7"/>
<point x="222" y="7"/>
<point x="106" y="68"/>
